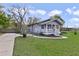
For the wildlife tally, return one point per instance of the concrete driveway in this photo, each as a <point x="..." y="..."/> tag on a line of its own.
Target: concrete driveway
<point x="7" y="44"/>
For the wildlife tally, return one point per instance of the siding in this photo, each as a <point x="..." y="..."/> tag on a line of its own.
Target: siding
<point x="37" y="28"/>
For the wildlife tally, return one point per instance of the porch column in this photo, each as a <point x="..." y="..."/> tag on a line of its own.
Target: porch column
<point x="55" y="30"/>
<point x="46" y="28"/>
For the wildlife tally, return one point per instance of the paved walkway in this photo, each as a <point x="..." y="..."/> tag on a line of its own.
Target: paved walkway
<point x="60" y="37"/>
<point x="7" y="43"/>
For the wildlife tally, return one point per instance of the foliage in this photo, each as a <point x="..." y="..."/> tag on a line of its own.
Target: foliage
<point x="4" y="20"/>
<point x="58" y="17"/>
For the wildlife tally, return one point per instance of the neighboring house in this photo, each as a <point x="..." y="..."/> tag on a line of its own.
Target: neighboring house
<point x="47" y="27"/>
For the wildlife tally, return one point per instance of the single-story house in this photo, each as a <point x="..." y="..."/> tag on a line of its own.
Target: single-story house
<point x="50" y="26"/>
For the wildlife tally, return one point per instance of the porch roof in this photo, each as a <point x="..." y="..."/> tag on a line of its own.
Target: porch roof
<point x="55" y="20"/>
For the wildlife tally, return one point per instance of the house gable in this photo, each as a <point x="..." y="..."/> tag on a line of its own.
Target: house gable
<point x="59" y="21"/>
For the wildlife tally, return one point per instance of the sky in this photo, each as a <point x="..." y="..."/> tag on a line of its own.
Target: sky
<point x="69" y="12"/>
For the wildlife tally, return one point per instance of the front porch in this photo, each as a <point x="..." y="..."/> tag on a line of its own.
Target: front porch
<point x="49" y="29"/>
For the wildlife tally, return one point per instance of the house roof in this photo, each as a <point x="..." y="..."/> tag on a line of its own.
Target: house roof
<point x="49" y="20"/>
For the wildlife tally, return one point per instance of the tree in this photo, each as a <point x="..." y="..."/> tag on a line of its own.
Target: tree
<point x="19" y="15"/>
<point x="33" y="20"/>
<point x="58" y="17"/>
<point x="1" y="7"/>
<point x="4" y="20"/>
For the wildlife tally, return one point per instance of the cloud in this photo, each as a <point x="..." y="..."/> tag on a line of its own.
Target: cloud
<point x="68" y="10"/>
<point x="75" y="19"/>
<point x="39" y="11"/>
<point x="32" y="11"/>
<point x="74" y="7"/>
<point x="53" y="12"/>
<point x="73" y="22"/>
<point x="42" y="12"/>
<point x="76" y="13"/>
<point x="71" y="10"/>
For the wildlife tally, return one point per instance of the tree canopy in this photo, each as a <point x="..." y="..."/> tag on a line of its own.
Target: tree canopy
<point x="33" y="20"/>
<point x="4" y="20"/>
<point x="58" y="17"/>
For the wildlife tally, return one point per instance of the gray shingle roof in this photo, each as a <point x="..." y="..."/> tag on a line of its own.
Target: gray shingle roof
<point x="56" y="20"/>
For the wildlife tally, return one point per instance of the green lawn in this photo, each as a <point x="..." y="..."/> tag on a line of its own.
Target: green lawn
<point x="31" y="46"/>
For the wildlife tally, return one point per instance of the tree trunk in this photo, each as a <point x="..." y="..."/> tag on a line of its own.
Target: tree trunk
<point x="19" y="27"/>
<point x="24" y="35"/>
<point x="24" y="30"/>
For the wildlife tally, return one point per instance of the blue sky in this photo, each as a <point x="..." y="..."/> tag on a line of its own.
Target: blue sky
<point x="68" y="11"/>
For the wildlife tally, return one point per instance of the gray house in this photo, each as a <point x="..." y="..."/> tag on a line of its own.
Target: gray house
<point x="50" y="26"/>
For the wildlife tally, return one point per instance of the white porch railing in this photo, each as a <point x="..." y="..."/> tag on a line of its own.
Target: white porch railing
<point x="50" y="31"/>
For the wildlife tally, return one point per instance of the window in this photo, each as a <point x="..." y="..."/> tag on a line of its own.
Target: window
<point x="57" y="26"/>
<point x="49" y="26"/>
<point x="43" y="26"/>
<point x="53" y="26"/>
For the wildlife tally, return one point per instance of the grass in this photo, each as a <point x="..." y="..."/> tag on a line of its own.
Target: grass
<point x="31" y="46"/>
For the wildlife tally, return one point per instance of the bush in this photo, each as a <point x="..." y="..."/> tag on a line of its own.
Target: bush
<point x="75" y="33"/>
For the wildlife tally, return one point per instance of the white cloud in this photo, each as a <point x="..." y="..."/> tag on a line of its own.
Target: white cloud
<point x="76" y="13"/>
<point x="42" y="12"/>
<point x="32" y="11"/>
<point x="71" y="10"/>
<point x="74" y="7"/>
<point x="53" y="12"/>
<point x="77" y="25"/>
<point x="68" y="10"/>
<point x="75" y="19"/>
<point x="73" y="22"/>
